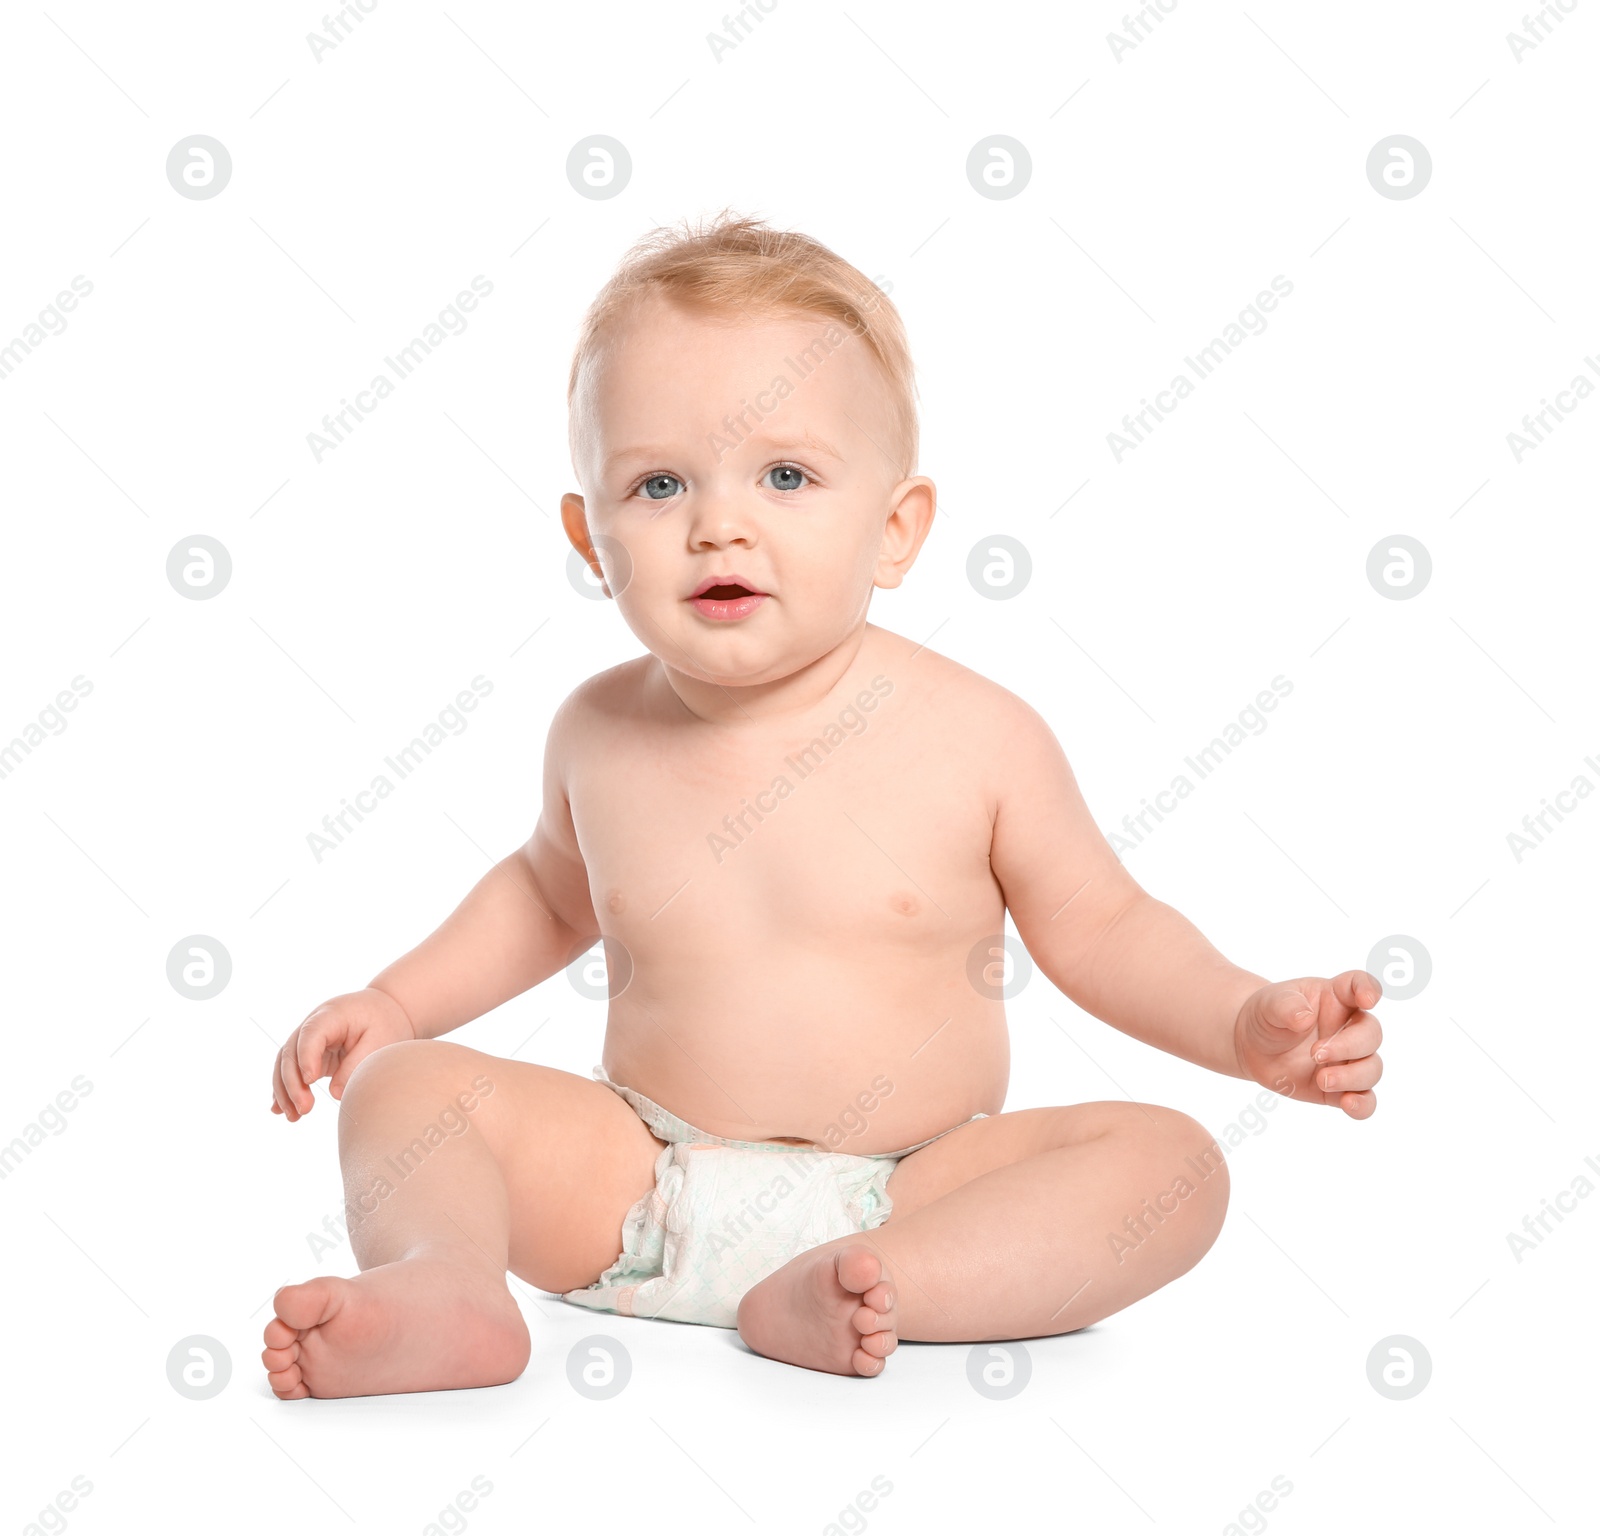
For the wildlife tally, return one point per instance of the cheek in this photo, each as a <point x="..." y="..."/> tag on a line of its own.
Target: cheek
<point x="631" y="555"/>
<point x="831" y="580"/>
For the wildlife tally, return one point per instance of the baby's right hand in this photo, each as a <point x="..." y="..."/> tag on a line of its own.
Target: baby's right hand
<point x="332" y="1041"/>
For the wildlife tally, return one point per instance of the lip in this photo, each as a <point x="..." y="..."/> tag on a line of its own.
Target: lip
<point x="726" y="609"/>
<point x="732" y="580"/>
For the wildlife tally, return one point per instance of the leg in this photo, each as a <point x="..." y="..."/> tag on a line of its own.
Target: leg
<point x="457" y="1167"/>
<point x="1037" y="1222"/>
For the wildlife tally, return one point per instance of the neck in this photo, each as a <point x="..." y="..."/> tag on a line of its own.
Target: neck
<point x="794" y="695"/>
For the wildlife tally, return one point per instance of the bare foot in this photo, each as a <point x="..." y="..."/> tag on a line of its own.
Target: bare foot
<point x="418" y="1325"/>
<point x="828" y="1309"/>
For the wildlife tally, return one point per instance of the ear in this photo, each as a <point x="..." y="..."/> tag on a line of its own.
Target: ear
<point x="577" y="527"/>
<point x="913" y="504"/>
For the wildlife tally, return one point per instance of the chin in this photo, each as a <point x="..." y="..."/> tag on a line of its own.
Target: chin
<point x="735" y="675"/>
<point x="734" y="663"/>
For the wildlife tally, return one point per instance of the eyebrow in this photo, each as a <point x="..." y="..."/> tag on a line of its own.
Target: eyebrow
<point x="648" y="451"/>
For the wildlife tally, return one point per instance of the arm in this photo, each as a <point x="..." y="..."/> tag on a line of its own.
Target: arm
<point x="1117" y="952"/>
<point x="1143" y="967"/>
<point x="1154" y="975"/>
<point x="520" y="923"/>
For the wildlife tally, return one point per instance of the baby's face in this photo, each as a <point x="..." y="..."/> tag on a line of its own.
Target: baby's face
<point x="744" y="452"/>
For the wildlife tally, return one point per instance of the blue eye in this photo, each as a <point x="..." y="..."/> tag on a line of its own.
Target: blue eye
<point x="788" y="469"/>
<point x="656" y="487"/>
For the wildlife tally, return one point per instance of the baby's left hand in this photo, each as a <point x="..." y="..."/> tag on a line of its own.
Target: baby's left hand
<point x="1313" y="1039"/>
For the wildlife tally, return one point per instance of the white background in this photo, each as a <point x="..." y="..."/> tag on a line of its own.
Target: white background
<point x="1167" y="189"/>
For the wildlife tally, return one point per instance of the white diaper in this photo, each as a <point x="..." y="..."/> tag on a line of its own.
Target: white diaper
<point x="725" y="1214"/>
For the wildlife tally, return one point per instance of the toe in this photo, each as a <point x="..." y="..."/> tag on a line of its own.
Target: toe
<point x="278" y="1334"/>
<point x="858" y="1268"/>
<point x="865" y="1320"/>
<point x="879" y="1297"/>
<point x="287" y="1382"/>
<point x="309" y="1305"/>
<point x="280" y="1359"/>
<point x="864" y="1364"/>
<point x="879" y="1344"/>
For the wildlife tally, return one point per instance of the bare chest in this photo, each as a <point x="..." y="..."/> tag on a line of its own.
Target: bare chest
<point x="701" y="844"/>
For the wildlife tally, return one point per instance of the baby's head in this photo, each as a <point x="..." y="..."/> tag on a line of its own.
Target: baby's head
<point x="742" y="405"/>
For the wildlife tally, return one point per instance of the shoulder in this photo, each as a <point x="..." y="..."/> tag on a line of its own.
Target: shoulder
<point x="988" y="714"/>
<point x="979" y="732"/>
<point x="593" y="716"/>
<point x="614" y="694"/>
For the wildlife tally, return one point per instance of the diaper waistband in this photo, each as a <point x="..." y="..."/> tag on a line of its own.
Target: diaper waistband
<point x="668" y="1127"/>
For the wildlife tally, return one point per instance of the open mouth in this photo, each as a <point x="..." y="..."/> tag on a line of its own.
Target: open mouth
<point x="725" y="598"/>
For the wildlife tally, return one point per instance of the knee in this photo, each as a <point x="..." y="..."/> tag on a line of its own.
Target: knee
<point x="405" y="1070"/>
<point x="1200" y="1176"/>
<point x="1176" y="1164"/>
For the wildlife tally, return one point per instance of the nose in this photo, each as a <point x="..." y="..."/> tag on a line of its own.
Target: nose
<point x="721" y="519"/>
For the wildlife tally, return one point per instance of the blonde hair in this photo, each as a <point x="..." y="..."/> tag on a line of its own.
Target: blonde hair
<point x="738" y="265"/>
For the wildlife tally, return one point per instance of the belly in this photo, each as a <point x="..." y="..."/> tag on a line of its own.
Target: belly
<point x="864" y="1051"/>
<point x="803" y="974"/>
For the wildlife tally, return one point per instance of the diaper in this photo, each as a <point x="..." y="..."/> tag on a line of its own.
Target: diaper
<point x="725" y="1214"/>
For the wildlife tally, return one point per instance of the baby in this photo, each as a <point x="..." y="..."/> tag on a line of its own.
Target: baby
<point x="797" y="836"/>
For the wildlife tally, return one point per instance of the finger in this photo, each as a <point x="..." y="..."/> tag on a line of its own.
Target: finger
<point x="352" y="1060"/>
<point x="289" y="1065"/>
<point x="288" y="1079"/>
<point x="1287" y="1008"/>
<point x="1357" y="989"/>
<point x="1350" y="1076"/>
<point x="1359" y="1106"/>
<point x="1328" y="999"/>
<point x="280" y="1091"/>
<point x="1360" y="1037"/>
<point x="311" y="1054"/>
